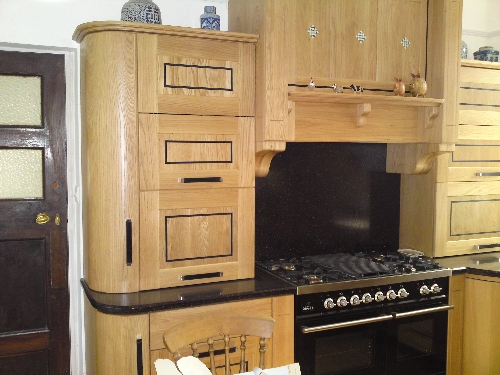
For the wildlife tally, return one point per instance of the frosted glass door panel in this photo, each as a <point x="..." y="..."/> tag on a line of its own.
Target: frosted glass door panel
<point x="21" y="174"/>
<point x="20" y="101"/>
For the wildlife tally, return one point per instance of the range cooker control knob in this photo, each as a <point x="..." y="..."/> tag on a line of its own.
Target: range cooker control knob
<point x="355" y="300"/>
<point x="435" y="288"/>
<point x="424" y="290"/>
<point x="402" y="293"/>
<point x="391" y="295"/>
<point x="329" y="304"/>
<point x="379" y="297"/>
<point x="342" y="302"/>
<point x="367" y="298"/>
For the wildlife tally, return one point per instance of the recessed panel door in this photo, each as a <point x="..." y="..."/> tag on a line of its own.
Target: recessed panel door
<point x="34" y="298"/>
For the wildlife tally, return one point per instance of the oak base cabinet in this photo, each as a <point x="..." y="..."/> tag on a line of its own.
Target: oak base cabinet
<point x="455" y="325"/>
<point x="481" y="329"/>
<point x="129" y="344"/>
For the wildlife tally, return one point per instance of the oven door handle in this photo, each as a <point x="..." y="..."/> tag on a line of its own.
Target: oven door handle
<point x="423" y="311"/>
<point x="351" y="323"/>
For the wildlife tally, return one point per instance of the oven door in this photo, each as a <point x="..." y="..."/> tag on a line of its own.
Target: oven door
<point x="409" y="342"/>
<point x="344" y="347"/>
<point x="417" y="342"/>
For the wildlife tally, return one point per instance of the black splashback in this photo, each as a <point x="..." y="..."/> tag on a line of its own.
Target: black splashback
<point x="322" y="198"/>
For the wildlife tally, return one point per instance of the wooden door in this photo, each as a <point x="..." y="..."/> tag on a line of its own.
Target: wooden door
<point x="34" y="297"/>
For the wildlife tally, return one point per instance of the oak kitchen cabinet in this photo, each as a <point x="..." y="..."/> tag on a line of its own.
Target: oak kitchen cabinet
<point x="455" y="208"/>
<point x="455" y="325"/>
<point x="168" y="145"/>
<point x="368" y="43"/>
<point x="481" y="332"/>
<point x="129" y="344"/>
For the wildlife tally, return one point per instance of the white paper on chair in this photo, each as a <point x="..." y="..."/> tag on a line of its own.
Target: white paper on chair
<point x="166" y="367"/>
<point x="192" y="366"/>
<point x="293" y="369"/>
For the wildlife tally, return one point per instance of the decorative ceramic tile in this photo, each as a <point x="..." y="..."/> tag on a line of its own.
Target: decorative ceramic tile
<point x="313" y="31"/>
<point x="361" y="37"/>
<point x="405" y="42"/>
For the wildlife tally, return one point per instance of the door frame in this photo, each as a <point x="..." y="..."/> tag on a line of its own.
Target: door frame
<point x="75" y="243"/>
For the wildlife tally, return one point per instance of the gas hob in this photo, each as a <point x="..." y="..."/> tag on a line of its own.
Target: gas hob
<point x="329" y="272"/>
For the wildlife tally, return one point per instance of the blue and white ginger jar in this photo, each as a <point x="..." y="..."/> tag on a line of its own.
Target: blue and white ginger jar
<point x="209" y="19"/>
<point x="144" y="11"/>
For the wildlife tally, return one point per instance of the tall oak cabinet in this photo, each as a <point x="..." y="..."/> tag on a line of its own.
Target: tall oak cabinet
<point x="168" y="170"/>
<point x="168" y="145"/>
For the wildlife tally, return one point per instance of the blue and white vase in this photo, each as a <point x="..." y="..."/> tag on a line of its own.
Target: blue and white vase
<point x="144" y="11"/>
<point x="209" y="19"/>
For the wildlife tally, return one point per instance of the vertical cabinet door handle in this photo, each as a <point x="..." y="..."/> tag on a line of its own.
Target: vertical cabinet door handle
<point x="128" y="226"/>
<point x="139" y="357"/>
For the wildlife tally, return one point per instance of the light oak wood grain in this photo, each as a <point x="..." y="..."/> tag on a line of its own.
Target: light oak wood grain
<point x="481" y="338"/>
<point x="111" y="342"/>
<point x="110" y="161"/>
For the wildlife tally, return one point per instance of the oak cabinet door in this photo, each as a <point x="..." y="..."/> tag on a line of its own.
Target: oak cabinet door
<point x="191" y="152"/>
<point x="179" y="75"/>
<point x="196" y="236"/>
<point x="401" y="41"/>
<point x="363" y="40"/>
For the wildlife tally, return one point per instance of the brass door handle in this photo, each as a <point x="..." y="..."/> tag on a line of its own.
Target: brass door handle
<point x="42" y="218"/>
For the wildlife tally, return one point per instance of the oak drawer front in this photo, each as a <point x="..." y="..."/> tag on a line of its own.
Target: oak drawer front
<point x="474" y="217"/>
<point x="160" y="321"/>
<point x="479" y="123"/>
<point x="478" y="174"/>
<point x="478" y="152"/>
<point x="186" y="152"/>
<point x="479" y="111"/>
<point x="196" y="236"/>
<point x="179" y="75"/>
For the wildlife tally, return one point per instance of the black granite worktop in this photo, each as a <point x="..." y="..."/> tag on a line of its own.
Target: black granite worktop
<point x="263" y="285"/>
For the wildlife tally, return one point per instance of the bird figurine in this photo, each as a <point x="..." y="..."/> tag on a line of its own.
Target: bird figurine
<point x="311" y="85"/>
<point x="418" y="87"/>
<point x="399" y="87"/>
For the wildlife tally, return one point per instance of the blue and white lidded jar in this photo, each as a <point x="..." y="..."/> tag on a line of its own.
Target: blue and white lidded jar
<point x="144" y="11"/>
<point x="209" y="19"/>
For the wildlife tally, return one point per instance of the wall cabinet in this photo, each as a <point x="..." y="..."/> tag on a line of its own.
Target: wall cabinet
<point x="367" y="43"/>
<point x="360" y="40"/>
<point x="129" y="344"/>
<point x="455" y="209"/>
<point x="168" y="145"/>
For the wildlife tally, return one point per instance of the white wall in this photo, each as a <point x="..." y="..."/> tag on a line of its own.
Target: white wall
<point x="480" y="26"/>
<point x="52" y="22"/>
<point x="48" y="26"/>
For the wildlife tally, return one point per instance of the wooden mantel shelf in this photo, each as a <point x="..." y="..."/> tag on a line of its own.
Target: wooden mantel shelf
<point x="351" y="98"/>
<point x="364" y="103"/>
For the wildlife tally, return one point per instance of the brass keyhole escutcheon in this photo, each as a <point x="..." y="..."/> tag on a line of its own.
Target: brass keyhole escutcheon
<point x="42" y="218"/>
<point x="57" y="219"/>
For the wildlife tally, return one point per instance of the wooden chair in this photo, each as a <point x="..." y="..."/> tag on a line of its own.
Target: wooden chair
<point x="207" y="330"/>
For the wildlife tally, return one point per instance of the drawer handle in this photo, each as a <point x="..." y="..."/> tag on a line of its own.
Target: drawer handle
<point x="490" y="246"/>
<point x="191" y="180"/>
<point x="201" y="276"/>
<point x="488" y="174"/>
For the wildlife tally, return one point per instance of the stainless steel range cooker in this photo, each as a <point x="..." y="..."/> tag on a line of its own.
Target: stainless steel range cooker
<point x="368" y="313"/>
